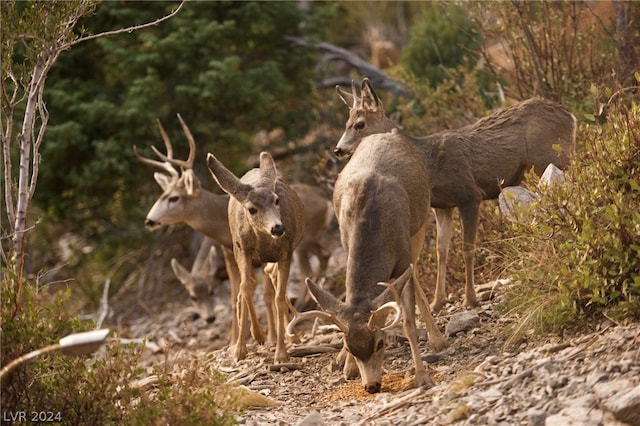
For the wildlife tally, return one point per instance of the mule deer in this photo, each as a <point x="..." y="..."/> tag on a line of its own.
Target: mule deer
<point x="469" y="164"/>
<point x="382" y="207"/>
<point x="184" y="200"/>
<point x="201" y="281"/>
<point x="266" y="219"/>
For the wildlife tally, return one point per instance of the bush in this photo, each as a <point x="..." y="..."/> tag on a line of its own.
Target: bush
<point x="581" y="253"/>
<point x="105" y="389"/>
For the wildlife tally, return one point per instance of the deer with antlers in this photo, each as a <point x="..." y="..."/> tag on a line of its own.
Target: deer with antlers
<point x="470" y="164"/>
<point x="382" y="207"/>
<point x="184" y="200"/>
<point x="266" y="219"/>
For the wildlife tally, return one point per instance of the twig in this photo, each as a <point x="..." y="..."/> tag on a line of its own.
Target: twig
<point x="128" y="29"/>
<point x="389" y="407"/>
<point x="104" y="303"/>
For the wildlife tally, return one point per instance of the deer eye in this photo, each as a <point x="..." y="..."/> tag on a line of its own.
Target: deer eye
<point x="174" y="199"/>
<point x="359" y="125"/>
<point x="380" y="345"/>
<point x="277" y="202"/>
<point x="252" y="210"/>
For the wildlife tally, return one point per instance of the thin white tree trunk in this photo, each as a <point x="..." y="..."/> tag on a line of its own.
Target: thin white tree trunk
<point x="27" y="175"/>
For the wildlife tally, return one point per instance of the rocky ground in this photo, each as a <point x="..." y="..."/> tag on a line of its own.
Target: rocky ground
<point x="586" y="377"/>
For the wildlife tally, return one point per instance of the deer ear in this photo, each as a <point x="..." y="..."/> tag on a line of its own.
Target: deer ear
<point x="227" y="180"/>
<point x="181" y="273"/>
<point x="327" y="301"/>
<point x="212" y="260"/>
<point x="191" y="182"/>
<point x="370" y="100"/>
<point x="268" y="169"/>
<point x="163" y="180"/>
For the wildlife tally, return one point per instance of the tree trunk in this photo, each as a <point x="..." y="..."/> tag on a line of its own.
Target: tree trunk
<point x="25" y="183"/>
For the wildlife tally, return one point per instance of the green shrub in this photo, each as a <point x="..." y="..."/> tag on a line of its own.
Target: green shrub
<point x="580" y="256"/>
<point x="104" y="389"/>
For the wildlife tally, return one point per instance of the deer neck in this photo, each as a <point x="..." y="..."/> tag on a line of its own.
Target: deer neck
<point x="211" y="218"/>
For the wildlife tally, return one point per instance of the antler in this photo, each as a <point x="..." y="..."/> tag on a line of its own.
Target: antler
<point x="301" y="316"/>
<point x="168" y="161"/>
<point x="184" y="165"/>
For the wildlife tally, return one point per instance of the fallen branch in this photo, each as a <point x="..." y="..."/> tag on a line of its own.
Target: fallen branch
<point x="331" y="52"/>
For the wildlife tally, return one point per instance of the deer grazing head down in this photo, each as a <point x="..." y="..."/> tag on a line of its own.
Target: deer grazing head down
<point x="364" y="326"/>
<point x="381" y="200"/>
<point x="201" y="281"/>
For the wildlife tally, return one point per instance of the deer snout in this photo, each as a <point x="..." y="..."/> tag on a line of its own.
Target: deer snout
<point x="151" y="224"/>
<point x="277" y="231"/>
<point x="210" y="319"/>
<point x="339" y="152"/>
<point x="372" y="387"/>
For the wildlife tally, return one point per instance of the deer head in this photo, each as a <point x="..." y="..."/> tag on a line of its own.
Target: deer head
<point x="364" y="326"/>
<point x="200" y="283"/>
<point x="259" y="200"/>
<point x="366" y="117"/>
<point x="179" y="188"/>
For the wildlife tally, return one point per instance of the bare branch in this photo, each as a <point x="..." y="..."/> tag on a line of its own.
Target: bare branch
<point x="332" y="52"/>
<point x="126" y="30"/>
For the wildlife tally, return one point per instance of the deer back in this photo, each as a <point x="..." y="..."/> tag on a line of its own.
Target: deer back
<point x="473" y="162"/>
<point x="381" y="198"/>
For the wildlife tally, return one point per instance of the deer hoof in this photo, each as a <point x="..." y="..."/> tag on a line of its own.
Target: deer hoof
<point x="423" y="380"/>
<point x="240" y="352"/>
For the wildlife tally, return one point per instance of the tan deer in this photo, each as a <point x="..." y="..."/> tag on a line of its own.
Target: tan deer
<point x="469" y="164"/>
<point x="317" y="239"/>
<point x="266" y="219"/>
<point x="382" y="205"/>
<point x="201" y="281"/>
<point x="184" y="200"/>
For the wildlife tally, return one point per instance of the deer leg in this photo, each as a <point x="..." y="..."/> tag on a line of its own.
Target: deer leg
<point x="269" y="294"/>
<point x="438" y="341"/>
<point x="280" y="277"/>
<point x="409" y="326"/>
<point x="469" y="215"/>
<point x="444" y="225"/>
<point x="244" y="292"/>
<point x="301" y="256"/>
<point x="247" y="294"/>
<point x="234" y="282"/>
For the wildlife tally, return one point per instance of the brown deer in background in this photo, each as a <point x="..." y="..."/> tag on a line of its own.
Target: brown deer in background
<point x="470" y="164"/>
<point x="184" y="200"/>
<point x="266" y="219"/>
<point x="382" y="205"/>
<point x="201" y="281"/>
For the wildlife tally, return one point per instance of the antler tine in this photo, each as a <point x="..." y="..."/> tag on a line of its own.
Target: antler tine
<point x="395" y="305"/>
<point x="165" y="138"/>
<point x="155" y="163"/>
<point x="192" y="143"/>
<point x="301" y="316"/>
<point x="184" y="165"/>
<point x="396" y="319"/>
<point x="355" y="95"/>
